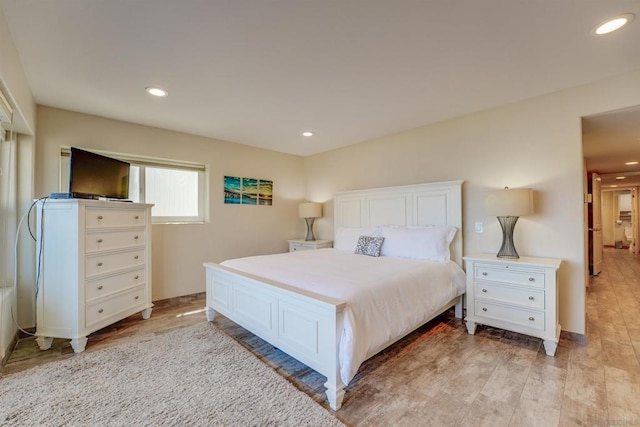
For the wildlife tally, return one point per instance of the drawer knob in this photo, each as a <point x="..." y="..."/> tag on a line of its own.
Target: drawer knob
<point x="484" y="290"/>
<point x="100" y="311"/>
<point x="136" y="217"/>
<point x="100" y="287"/>
<point x="99" y="240"/>
<point x="136" y="278"/>
<point x="99" y="264"/>
<point x="532" y="318"/>
<point x="137" y="297"/>
<point x="484" y="308"/>
<point x="136" y="237"/>
<point x="136" y="257"/>
<point x="531" y="298"/>
<point x="99" y="216"/>
<point x="484" y="273"/>
<point x="532" y="279"/>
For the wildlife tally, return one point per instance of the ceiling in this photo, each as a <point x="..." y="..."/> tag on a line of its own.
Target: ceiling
<point x="261" y="72"/>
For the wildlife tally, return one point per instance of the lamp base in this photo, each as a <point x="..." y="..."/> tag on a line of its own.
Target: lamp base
<point x="309" y="237"/>
<point x="508" y="224"/>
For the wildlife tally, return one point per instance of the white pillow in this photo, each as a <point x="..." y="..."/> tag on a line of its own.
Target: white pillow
<point x="346" y="238"/>
<point x="429" y="243"/>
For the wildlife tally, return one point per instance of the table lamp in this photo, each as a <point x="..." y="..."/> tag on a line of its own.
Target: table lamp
<point x="310" y="211"/>
<point x="508" y="205"/>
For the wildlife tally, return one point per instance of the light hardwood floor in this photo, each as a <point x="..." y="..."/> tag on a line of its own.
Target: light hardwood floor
<point x="439" y="375"/>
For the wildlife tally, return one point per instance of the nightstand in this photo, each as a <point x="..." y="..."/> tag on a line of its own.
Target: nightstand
<point x="305" y="245"/>
<point x="519" y="295"/>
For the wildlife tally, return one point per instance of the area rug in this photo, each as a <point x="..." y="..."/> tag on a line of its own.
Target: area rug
<point x="191" y="376"/>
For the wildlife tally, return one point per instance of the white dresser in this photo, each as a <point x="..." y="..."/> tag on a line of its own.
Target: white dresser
<point x="305" y="245"/>
<point x="519" y="295"/>
<point x="93" y="267"/>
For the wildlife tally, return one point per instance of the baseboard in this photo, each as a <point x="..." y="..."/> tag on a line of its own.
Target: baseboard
<point x="574" y="337"/>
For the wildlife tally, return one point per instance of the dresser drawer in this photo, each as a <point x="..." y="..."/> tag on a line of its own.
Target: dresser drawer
<point x="105" y="240"/>
<point x="508" y="274"/>
<point x="96" y="217"/>
<point x="105" y="308"/>
<point x="110" y="262"/>
<point x="102" y="287"/>
<point x="512" y="315"/>
<point x="525" y="297"/>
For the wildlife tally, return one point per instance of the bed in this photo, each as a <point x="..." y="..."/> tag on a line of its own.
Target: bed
<point x="331" y="309"/>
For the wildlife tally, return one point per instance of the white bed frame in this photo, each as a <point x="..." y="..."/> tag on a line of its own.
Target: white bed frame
<point x="308" y="326"/>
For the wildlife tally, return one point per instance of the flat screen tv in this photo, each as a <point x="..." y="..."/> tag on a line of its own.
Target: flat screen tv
<point x="92" y="176"/>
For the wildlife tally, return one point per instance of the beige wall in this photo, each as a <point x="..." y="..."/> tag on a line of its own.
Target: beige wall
<point x="536" y="143"/>
<point x="180" y="250"/>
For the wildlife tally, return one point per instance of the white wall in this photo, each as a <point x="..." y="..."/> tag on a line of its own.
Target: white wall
<point x="14" y="85"/>
<point x="535" y="143"/>
<point x="180" y="249"/>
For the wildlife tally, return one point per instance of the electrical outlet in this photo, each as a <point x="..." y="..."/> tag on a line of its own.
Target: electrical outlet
<point x="479" y="227"/>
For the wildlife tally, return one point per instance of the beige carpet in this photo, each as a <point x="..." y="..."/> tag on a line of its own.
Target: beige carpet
<point x="191" y="376"/>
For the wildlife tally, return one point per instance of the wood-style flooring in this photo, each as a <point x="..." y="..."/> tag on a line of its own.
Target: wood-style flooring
<point x="439" y="375"/>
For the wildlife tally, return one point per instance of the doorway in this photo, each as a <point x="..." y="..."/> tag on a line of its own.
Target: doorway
<point x="611" y="148"/>
<point x="619" y="213"/>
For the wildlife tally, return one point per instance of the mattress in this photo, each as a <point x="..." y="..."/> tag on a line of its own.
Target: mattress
<point x="386" y="297"/>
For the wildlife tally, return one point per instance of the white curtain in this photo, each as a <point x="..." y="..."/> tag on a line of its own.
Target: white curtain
<point x="8" y="224"/>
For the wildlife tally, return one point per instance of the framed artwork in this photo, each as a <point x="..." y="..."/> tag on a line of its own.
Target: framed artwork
<point x="247" y="191"/>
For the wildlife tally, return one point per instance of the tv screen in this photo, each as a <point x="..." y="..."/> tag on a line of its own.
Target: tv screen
<point x="92" y="175"/>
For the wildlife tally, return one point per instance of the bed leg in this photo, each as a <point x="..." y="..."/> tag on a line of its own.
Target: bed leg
<point x="211" y="313"/>
<point x="458" y="308"/>
<point x="335" y="393"/>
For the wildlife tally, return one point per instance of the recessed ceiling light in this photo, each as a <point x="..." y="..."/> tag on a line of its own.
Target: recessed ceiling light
<point x="631" y="163"/>
<point x="613" y="24"/>
<point x="156" y="91"/>
<point x="613" y="186"/>
<point x="620" y="177"/>
<point x="307" y="133"/>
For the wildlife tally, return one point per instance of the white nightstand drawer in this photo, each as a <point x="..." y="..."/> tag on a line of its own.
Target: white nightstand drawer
<point x="532" y="298"/>
<point x="293" y="247"/>
<point x="508" y="274"/>
<point x="517" y="316"/>
<point x="306" y="245"/>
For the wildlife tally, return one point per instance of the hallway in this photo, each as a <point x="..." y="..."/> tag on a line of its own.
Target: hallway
<point x="610" y="362"/>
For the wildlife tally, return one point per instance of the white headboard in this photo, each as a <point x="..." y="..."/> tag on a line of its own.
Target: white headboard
<point x="436" y="203"/>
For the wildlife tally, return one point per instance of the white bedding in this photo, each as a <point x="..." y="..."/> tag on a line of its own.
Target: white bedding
<point x="386" y="297"/>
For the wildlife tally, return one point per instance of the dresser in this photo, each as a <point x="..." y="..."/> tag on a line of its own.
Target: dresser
<point x="93" y="267"/>
<point x="305" y="245"/>
<point x="519" y="295"/>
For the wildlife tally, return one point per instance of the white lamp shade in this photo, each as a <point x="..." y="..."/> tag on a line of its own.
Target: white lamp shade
<point x="509" y="202"/>
<point x="310" y="210"/>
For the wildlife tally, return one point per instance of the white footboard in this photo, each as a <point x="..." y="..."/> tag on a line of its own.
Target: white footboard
<point x="305" y="325"/>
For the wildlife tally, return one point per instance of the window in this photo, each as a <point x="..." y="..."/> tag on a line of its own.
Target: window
<point x="177" y="189"/>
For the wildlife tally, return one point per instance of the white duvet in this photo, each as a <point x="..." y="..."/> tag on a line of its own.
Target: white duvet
<point x="386" y="297"/>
